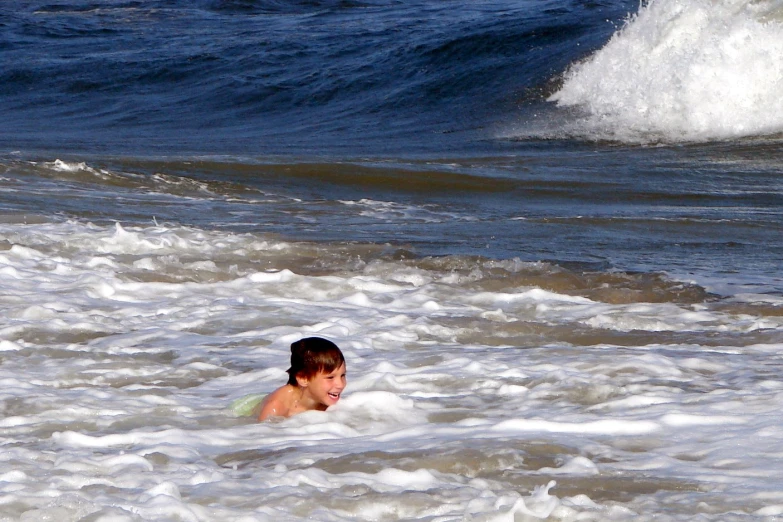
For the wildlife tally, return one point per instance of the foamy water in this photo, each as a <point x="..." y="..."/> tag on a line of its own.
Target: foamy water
<point x="693" y="70"/>
<point x="477" y="389"/>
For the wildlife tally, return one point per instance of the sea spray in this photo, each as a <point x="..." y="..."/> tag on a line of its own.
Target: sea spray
<point x="692" y="70"/>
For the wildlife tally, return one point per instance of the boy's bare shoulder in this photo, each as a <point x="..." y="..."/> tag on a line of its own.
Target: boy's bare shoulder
<point x="278" y="403"/>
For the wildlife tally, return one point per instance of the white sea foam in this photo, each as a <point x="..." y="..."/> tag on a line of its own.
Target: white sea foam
<point x="67" y="167"/>
<point x="683" y="70"/>
<point x="123" y="347"/>
<point x="389" y="210"/>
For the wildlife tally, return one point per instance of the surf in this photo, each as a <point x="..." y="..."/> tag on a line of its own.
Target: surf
<point x="682" y="71"/>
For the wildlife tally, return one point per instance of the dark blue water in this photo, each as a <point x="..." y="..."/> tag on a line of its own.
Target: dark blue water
<point x="399" y="123"/>
<point x="260" y="77"/>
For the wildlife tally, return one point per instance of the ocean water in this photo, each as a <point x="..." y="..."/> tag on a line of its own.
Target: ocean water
<point x="547" y="235"/>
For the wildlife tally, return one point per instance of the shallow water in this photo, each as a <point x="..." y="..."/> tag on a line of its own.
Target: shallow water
<point x="473" y="384"/>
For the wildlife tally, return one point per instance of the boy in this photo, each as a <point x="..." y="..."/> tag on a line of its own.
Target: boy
<point x="316" y="379"/>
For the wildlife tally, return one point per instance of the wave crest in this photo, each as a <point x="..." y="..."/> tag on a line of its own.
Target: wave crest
<point x="693" y="70"/>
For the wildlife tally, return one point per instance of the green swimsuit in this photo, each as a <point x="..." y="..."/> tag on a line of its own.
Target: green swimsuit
<point x="244" y="406"/>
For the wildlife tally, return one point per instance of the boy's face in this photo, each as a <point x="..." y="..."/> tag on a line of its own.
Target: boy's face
<point x="327" y="387"/>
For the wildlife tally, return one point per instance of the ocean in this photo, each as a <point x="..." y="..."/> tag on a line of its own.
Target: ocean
<point x="547" y="235"/>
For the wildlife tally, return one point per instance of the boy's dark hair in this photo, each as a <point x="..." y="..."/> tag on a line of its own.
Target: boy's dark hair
<point x="312" y="355"/>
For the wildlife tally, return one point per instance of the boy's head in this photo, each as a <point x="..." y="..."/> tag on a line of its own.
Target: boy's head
<point x="311" y="356"/>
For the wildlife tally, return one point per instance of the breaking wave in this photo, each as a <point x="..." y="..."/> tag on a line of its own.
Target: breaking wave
<point x="683" y="71"/>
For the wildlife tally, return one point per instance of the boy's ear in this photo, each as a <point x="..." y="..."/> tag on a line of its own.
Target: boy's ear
<point x="302" y="381"/>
